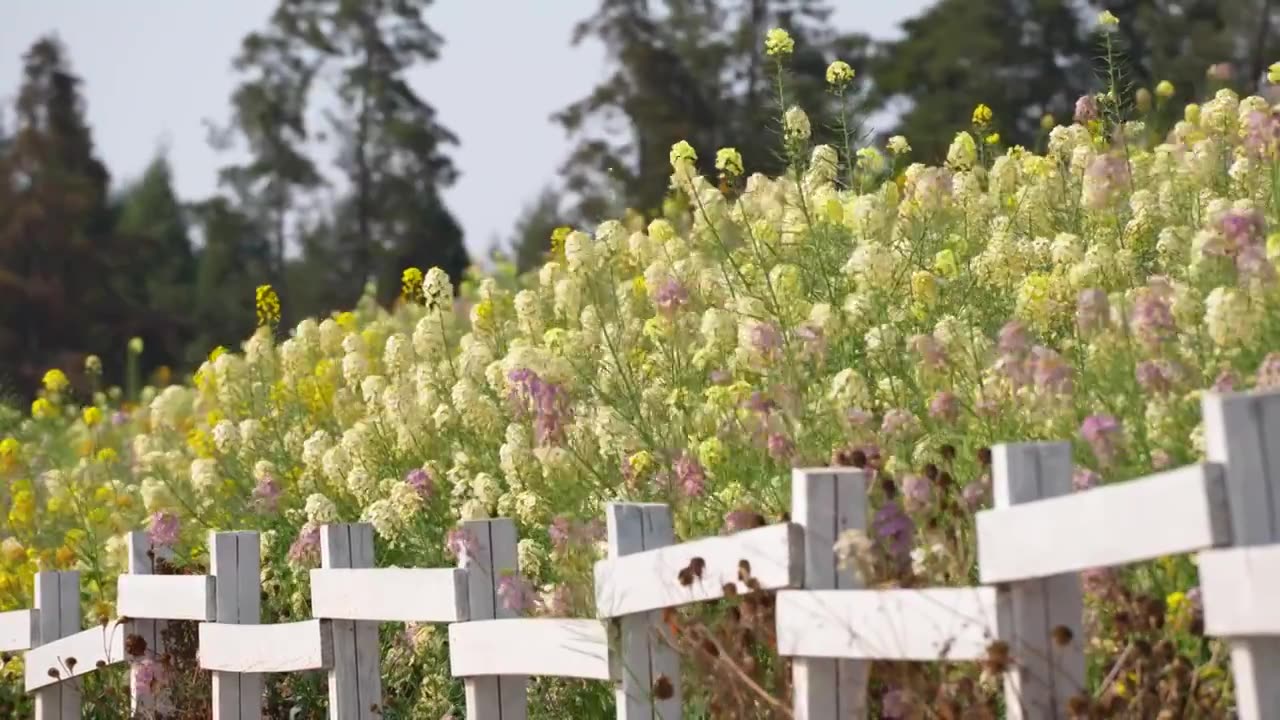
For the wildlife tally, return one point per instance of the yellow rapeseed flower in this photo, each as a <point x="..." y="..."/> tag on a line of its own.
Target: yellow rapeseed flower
<point x="729" y="162"/>
<point x="411" y="284"/>
<point x="839" y="73"/>
<point x="1048" y="122"/>
<point x="681" y="152"/>
<point x="1108" y="20"/>
<point x="346" y="320"/>
<point x="65" y="557"/>
<point x="93" y="365"/>
<point x="778" y="43"/>
<point x="982" y="115"/>
<point x="42" y="409"/>
<point x="216" y="353"/>
<point x="268" y="305"/>
<point x="1164" y="89"/>
<point x="106" y="456"/>
<point x="56" y="381"/>
<point x="557" y="240"/>
<point x="1273" y="73"/>
<point x="993" y="139"/>
<point x="200" y="443"/>
<point x="92" y="415"/>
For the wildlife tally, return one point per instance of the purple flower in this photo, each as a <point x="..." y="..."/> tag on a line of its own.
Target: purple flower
<point x="1093" y="310"/>
<point x="898" y="421"/>
<point x="1269" y="372"/>
<point x="1102" y="432"/>
<point x="460" y="542"/>
<point x="671" y="296"/>
<point x="147" y="677"/>
<point x="895" y="705"/>
<point x="561" y="603"/>
<point x="561" y="532"/>
<point x="760" y="403"/>
<point x="930" y="350"/>
<point x="1013" y="340"/>
<point x="894" y="529"/>
<point x="1226" y="381"/>
<point x="858" y="417"/>
<point x="517" y="594"/>
<point x="1050" y="373"/>
<point x="1194" y="599"/>
<point x="1160" y="459"/>
<point x="1084" y="479"/>
<point x="1241" y="229"/>
<point x="1106" y="175"/>
<point x="305" y="550"/>
<point x="690" y="477"/>
<point x="119" y="418"/>
<point x="1261" y="133"/>
<point x="1154" y="376"/>
<point x="1086" y="109"/>
<point x="266" y="494"/>
<point x="719" y="377"/>
<point x="1252" y="264"/>
<point x="974" y="494"/>
<point x="780" y="448"/>
<point x="547" y="402"/>
<point x="917" y="492"/>
<point x="765" y="338"/>
<point x="419" y="479"/>
<point x="738" y="520"/>
<point x="1152" y="319"/>
<point x="164" y="529"/>
<point x="944" y="407"/>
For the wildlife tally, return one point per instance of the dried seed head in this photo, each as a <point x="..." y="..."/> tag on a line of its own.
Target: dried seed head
<point x="931" y="471"/>
<point x="685" y="576"/>
<point x="888" y="487"/>
<point x="135" y="645"/>
<point x="729" y="590"/>
<point x="984" y="456"/>
<point x="1062" y="635"/>
<point x="662" y="688"/>
<point x="70" y="663"/>
<point x="744" y="570"/>
<point x="53" y="673"/>
<point x="696" y="566"/>
<point x="948" y="452"/>
<point x="710" y="647"/>
<point x="858" y="459"/>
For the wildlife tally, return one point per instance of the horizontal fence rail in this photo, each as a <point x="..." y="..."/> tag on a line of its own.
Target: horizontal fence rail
<point x="1032" y="546"/>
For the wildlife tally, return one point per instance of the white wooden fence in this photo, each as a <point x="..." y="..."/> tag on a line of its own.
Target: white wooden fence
<point x="1031" y="548"/>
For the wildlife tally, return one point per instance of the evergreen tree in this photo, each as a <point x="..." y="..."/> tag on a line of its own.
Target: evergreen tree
<point x="269" y="110"/>
<point x="532" y="235"/>
<point x="1022" y="58"/>
<point x="393" y="155"/>
<point x="693" y="70"/>
<point x="56" y="300"/>
<point x="234" y="256"/>
<point x="152" y="224"/>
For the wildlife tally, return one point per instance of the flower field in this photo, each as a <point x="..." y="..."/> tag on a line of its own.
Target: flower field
<point x="860" y="310"/>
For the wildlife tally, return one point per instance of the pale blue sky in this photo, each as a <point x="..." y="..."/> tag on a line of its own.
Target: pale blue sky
<point x="505" y="68"/>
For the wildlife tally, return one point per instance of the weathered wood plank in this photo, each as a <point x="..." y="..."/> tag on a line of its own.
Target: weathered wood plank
<point x="75" y="655"/>
<point x="1025" y="541"/>
<point x="492" y="552"/>
<point x="235" y="564"/>
<point x="911" y="625"/>
<point x="825" y="503"/>
<point x="668" y="577"/>
<point x="170" y="597"/>
<point x="1240" y="588"/>
<point x="283" y="647"/>
<point x="19" y="630"/>
<point x="1242" y="431"/>
<point x="355" y="680"/>
<point x="1045" y="674"/>
<point x="546" y="647"/>
<point x="389" y="594"/>
<point x="58" y="603"/>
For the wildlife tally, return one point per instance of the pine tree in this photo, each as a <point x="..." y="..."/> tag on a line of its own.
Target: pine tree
<point x="55" y="248"/>
<point x="152" y="223"/>
<point x="270" y="111"/>
<point x="693" y="70"/>
<point x="531" y="238"/>
<point x="1022" y="59"/>
<point x="235" y="255"/>
<point x="393" y="155"/>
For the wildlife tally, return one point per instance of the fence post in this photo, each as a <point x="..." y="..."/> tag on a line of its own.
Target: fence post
<point x="826" y="502"/>
<point x="644" y="652"/>
<point x="142" y="562"/>
<point x="1242" y="432"/>
<point x="1045" y="673"/>
<point x="355" y="682"/>
<point x="58" y="603"/>
<point x="491" y="552"/>
<point x="234" y="561"/>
